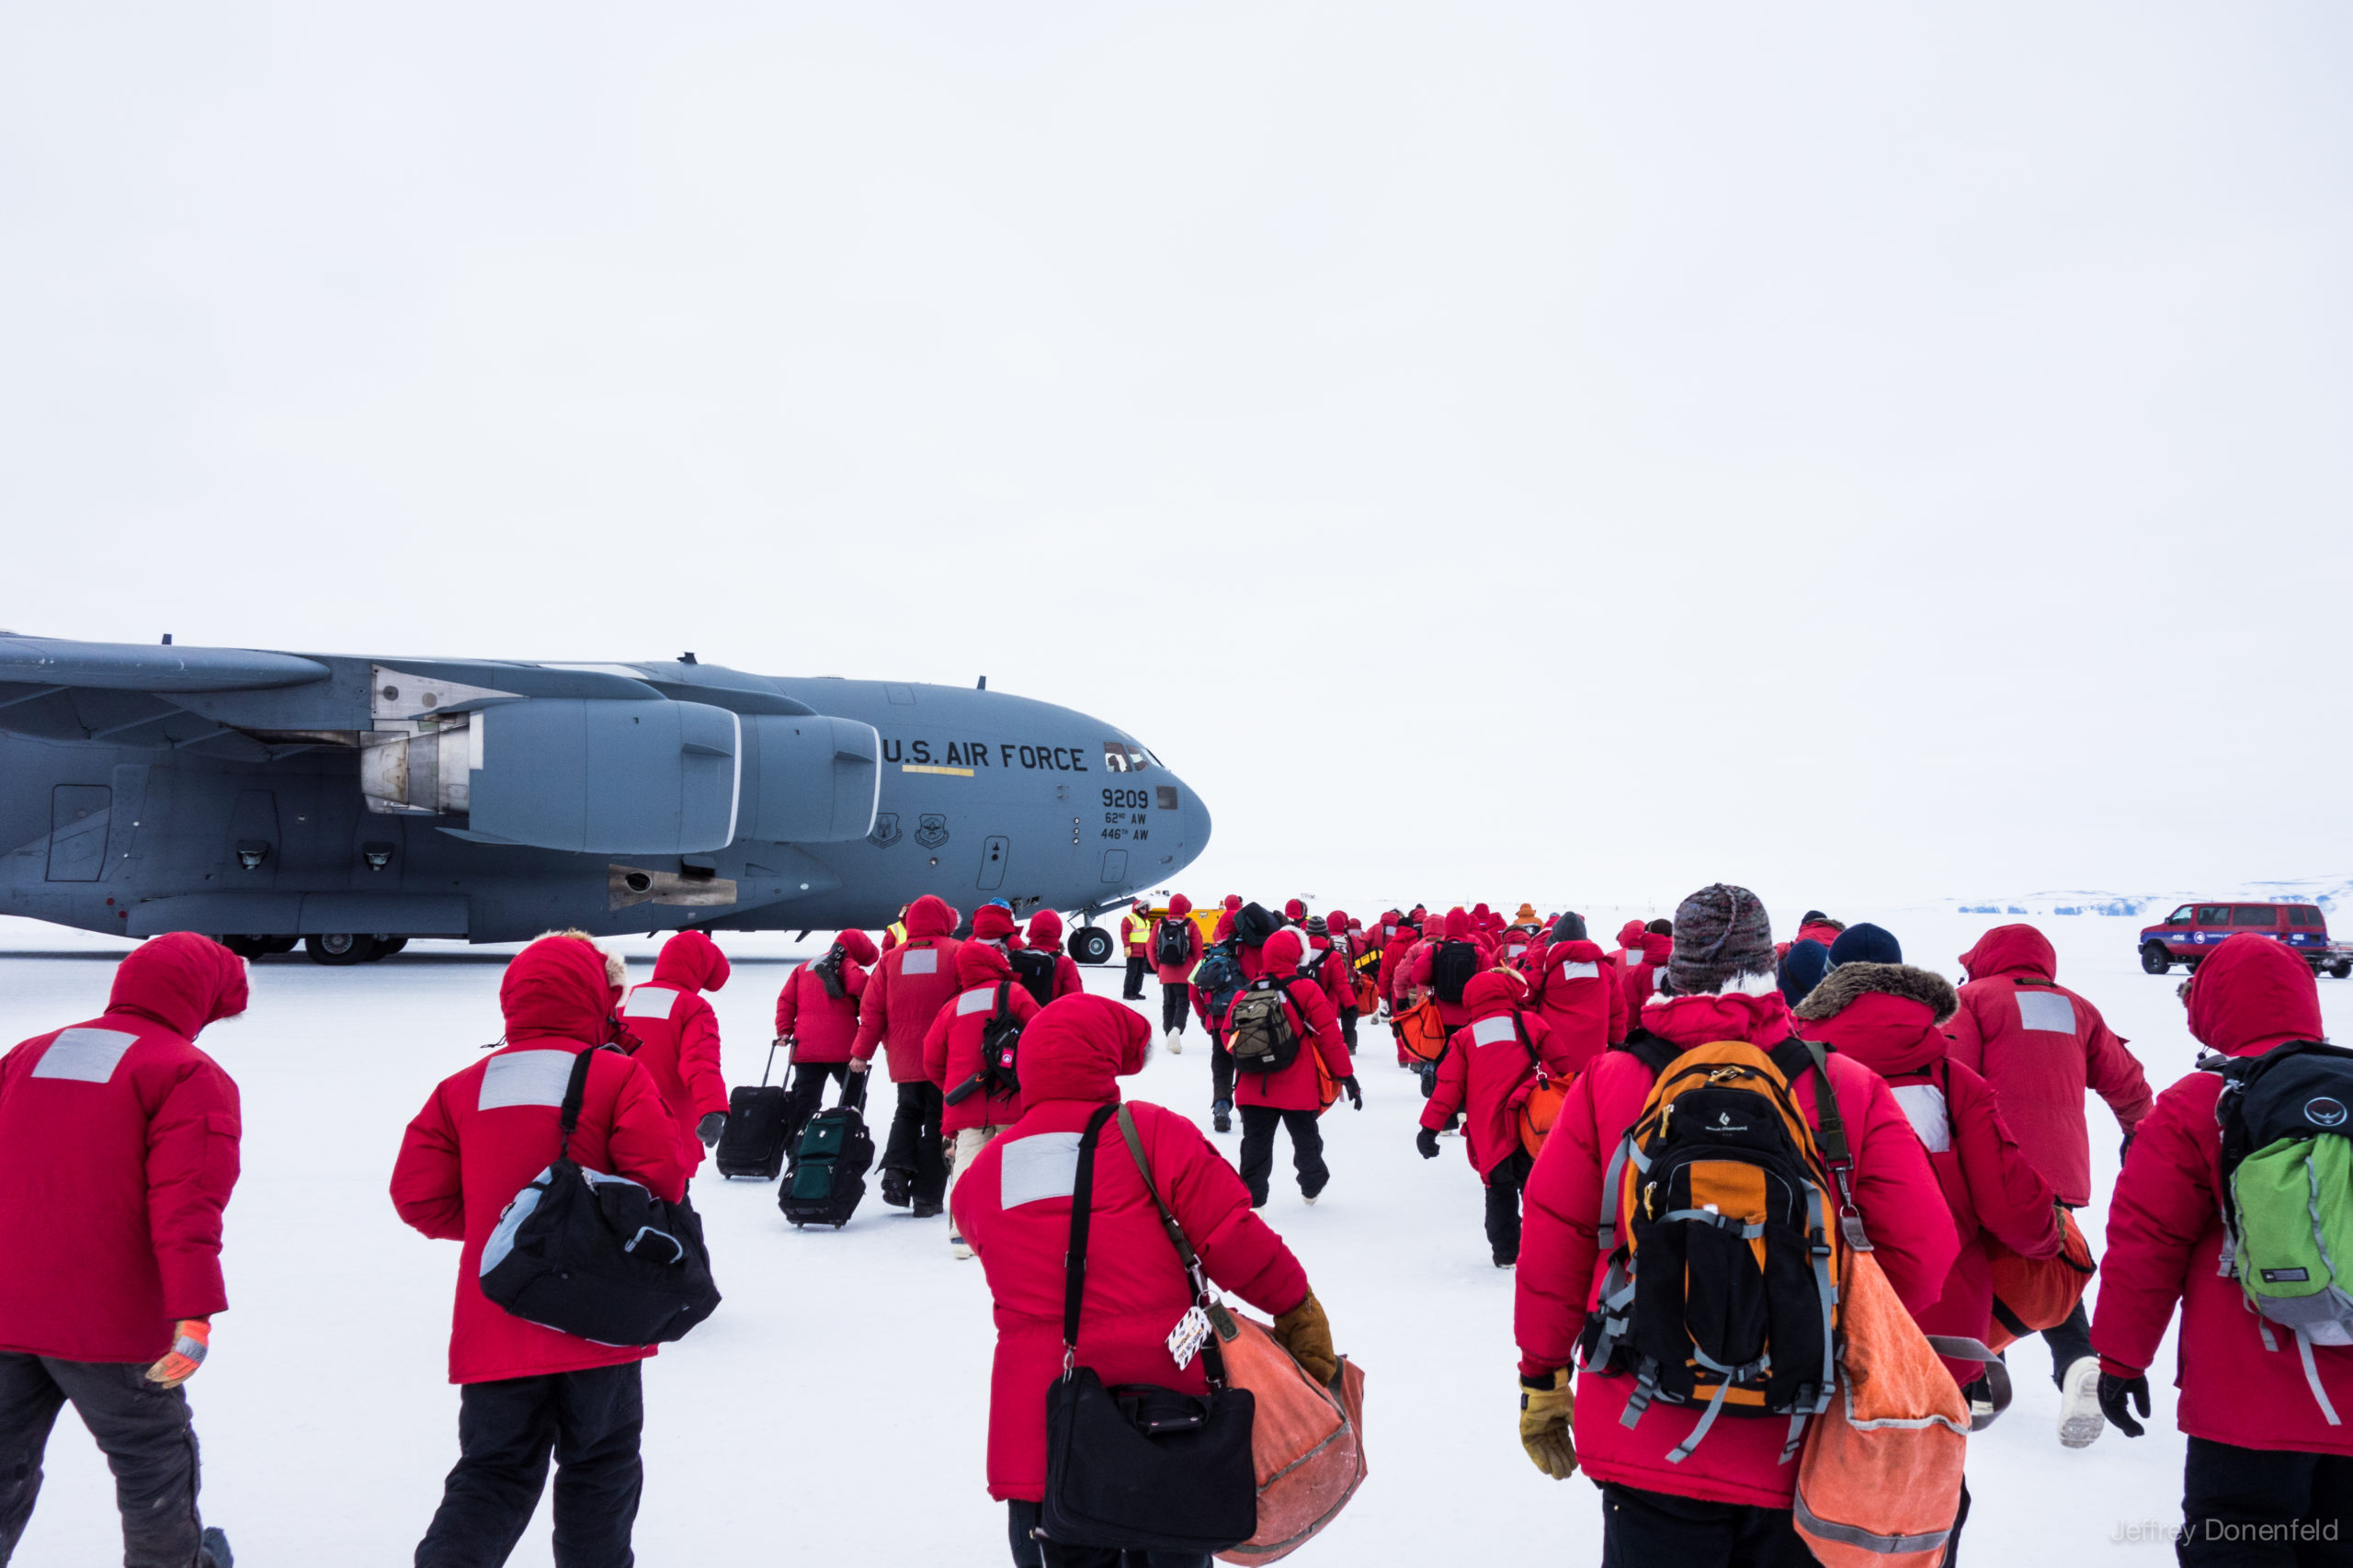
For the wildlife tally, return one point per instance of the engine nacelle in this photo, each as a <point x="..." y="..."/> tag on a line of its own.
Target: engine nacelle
<point x="809" y="780"/>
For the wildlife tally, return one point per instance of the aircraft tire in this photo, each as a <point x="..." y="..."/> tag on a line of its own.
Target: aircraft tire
<point x="340" y="948"/>
<point x="246" y="947"/>
<point x="1091" y="944"/>
<point x="386" y="947"/>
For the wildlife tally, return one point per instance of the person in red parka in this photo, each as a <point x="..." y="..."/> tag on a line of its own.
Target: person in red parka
<point x="1328" y="951"/>
<point x="1014" y="1205"/>
<point x="2039" y="1045"/>
<point x="1889" y="1017"/>
<point x="122" y="1139"/>
<point x="816" y="1014"/>
<point x="528" y="1390"/>
<point x="1486" y="1063"/>
<point x="986" y="1101"/>
<point x="1729" y="1502"/>
<point x="1232" y="907"/>
<point x="1046" y="937"/>
<point x="1292" y="1098"/>
<point x="1578" y="993"/>
<point x="1176" y="930"/>
<point x="1135" y="940"/>
<point x="901" y="997"/>
<point x="1644" y="961"/>
<point x="2264" y="1453"/>
<point x="678" y="1039"/>
<point x="1394" y="978"/>
<point x="1459" y="928"/>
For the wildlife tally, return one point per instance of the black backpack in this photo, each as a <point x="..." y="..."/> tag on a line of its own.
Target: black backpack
<point x="829" y="970"/>
<point x="596" y="1255"/>
<point x="1259" y="1036"/>
<point x="1452" y="967"/>
<point x="1000" y="1043"/>
<point x="1253" y="923"/>
<point x="1173" y="943"/>
<point x="1034" y="967"/>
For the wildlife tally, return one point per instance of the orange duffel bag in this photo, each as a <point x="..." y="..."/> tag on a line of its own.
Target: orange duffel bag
<point x="1879" y="1485"/>
<point x="1307" y="1440"/>
<point x="1421" y="1031"/>
<point x="2031" y="1294"/>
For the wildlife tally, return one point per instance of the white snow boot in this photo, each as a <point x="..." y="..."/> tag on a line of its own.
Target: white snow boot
<point x="1175" y="1041"/>
<point x="2079" y="1418"/>
<point x="961" y="1247"/>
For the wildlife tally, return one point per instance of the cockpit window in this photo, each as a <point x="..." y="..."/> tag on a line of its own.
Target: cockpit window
<point x="1118" y="757"/>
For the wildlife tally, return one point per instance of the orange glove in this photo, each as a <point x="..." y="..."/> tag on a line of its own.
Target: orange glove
<point x="190" y="1342"/>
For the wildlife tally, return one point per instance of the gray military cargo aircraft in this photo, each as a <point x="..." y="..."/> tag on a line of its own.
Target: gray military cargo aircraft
<point x="349" y="804"/>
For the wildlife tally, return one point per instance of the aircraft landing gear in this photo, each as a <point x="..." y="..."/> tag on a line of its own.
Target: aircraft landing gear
<point x="339" y="947"/>
<point x="1091" y="944"/>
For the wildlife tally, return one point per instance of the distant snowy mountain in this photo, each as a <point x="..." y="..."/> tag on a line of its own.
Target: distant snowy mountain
<point x="2329" y="892"/>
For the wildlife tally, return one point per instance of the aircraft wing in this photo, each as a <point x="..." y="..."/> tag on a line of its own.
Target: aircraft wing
<point x="141" y="666"/>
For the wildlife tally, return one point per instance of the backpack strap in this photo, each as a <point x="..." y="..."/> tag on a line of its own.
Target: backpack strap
<point x="1212" y="1359"/>
<point x="1082" y="1209"/>
<point x="1832" y="1140"/>
<point x="576" y="1090"/>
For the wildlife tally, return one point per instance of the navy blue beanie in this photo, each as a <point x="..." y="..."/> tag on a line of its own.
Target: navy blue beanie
<point x="1802" y="969"/>
<point x="1866" y="943"/>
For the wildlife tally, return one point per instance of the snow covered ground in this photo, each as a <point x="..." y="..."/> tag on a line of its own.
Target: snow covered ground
<point x="834" y="1409"/>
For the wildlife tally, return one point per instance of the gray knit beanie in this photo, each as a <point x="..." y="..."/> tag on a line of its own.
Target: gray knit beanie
<point x="1721" y="933"/>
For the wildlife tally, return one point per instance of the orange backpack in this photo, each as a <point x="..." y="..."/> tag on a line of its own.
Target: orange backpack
<point x="1535" y="1104"/>
<point x="2031" y="1295"/>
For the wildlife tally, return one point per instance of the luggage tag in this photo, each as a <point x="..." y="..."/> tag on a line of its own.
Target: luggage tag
<point x="1192" y="1331"/>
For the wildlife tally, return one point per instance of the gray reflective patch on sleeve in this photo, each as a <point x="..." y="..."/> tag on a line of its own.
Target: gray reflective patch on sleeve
<point x="2046" y="1010"/>
<point x="1923" y="1108"/>
<point x="84" y="1056"/>
<point x="650" y="1002"/>
<point x="920" y="961"/>
<point x="525" y="1077"/>
<point x="1045" y="1164"/>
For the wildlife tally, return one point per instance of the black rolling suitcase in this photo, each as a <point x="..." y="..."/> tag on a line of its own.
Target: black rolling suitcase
<point x="752" y="1144"/>
<point x="830" y="1162"/>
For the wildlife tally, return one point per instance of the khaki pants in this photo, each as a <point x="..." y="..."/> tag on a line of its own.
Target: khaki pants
<point x="969" y="1142"/>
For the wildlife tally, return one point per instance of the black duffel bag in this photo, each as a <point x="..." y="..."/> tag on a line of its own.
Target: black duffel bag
<point x="1138" y="1467"/>
<point x="598" y="1255"/>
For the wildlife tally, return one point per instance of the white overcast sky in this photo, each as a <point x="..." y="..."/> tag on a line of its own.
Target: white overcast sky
<point x="1516" y="450"/>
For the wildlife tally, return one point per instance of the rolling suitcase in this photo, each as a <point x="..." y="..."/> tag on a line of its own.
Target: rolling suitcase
<point x="829" y="1164"/>
<point x="752" y="1144"/>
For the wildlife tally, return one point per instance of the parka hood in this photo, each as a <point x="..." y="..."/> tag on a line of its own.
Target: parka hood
<point x="559" y="987"/>
<point x="1077" y="1047"/>
<point x="1841" y="988"/>
<point x="693" y="961"/>
<point x="2011" y="949"/>
<point x="2251" y="993"/>
<point x="181" y="980"/>
<point x="1280" y="954"/>
<point x="859" y="946"/>
<point x="1491" y="992"/>
<point x="982" y="964"/>
<point x="1046" y="931"/>
<point x="1180" y="906"/>
<point x="931" y="916"/>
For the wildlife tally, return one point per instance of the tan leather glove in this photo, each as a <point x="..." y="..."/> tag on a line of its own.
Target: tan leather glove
<point x="1306" y="1332"/>
<point x="1546" y="1415"/>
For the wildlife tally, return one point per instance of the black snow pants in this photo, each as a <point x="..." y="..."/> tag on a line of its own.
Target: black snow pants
<point x="1176" y="1007"/>
<point x="1138" y="967"/>
<point x="2233" y="1498"/>
<point x="590" y="1421"/>
<point x="1221" y="1070"/>
<point x="1021" y="1517"/>
<point x="808" y="1093"/>
<point x="1505" y="1184"/>
<point x="913" y="1150"/>
<point x="2069" y="1342"/>
<point x="1259" y="1124"/>
<point x="1646" y="1529"/>
<point x="142" y="1428"/>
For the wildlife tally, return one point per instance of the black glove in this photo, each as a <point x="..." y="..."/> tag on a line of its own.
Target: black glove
<point x="2124" y="1151"/>
<point x="2113" y="1392"/>
<point x="1356" y="1095"/>
<point x="710" y="1127"/>
<point x="1427" y="1141"/>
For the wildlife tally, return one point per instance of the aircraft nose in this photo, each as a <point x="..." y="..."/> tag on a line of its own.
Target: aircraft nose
<point x="1193" y="821"/>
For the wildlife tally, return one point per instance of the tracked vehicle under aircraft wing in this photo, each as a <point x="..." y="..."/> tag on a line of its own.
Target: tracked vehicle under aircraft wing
<point x="349" y="803"/>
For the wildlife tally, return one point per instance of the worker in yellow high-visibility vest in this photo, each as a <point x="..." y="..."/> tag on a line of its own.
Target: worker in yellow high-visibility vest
<point x="1136" y="937"/>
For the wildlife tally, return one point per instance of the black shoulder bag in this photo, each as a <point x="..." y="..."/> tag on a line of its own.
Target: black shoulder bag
<point x="597" y="1256"/>
<point x="1141" y="1467"/>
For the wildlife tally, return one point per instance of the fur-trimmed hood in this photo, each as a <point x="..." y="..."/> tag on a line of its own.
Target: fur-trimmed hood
<point x="1842" y="986"/>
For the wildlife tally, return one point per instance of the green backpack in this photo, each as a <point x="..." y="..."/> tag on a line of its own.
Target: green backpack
<point x="2287" y="1121"/>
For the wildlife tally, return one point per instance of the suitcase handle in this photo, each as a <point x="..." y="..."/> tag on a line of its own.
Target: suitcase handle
<point x="773" y="1043"/>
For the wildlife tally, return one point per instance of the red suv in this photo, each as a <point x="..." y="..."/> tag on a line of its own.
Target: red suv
<point x="2190" y="933"/>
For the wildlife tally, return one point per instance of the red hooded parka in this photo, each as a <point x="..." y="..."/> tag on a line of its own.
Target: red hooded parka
<point x="678" y="1033"/>
<point x="952" y="1047"/>
<point x="1179" y="909"/>
<point x="2041" y="1045"/>
<point x="487" y="1132"/>
<point x="1485" y="1061"/>
<point x="2165" y="1232"/>
<point x="1312" y="1021"/>
<point x="821" y="1027"/>
<point x="1046" y="937"/>
<point x="122" y="1142"/>
<point x="904" y="993"/>
<point x="1561" y="1263"/>
<point x="1581" y="999"/>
